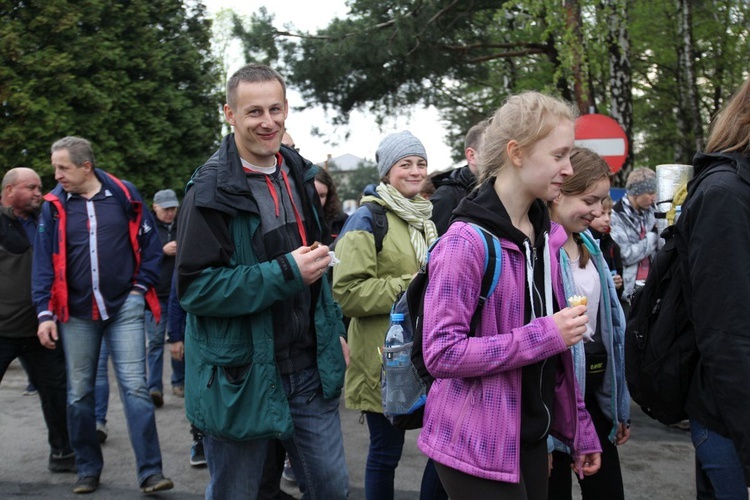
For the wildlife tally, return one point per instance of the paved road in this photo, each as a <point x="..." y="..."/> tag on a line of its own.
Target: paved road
<point x="657" y="462"/>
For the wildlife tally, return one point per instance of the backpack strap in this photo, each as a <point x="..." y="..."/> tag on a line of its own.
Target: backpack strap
<point x="492" y="267"/>
<point x="379" y="223"/>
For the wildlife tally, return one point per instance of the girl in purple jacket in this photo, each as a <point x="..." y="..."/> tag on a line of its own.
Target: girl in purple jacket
<point x="498" y="395"/>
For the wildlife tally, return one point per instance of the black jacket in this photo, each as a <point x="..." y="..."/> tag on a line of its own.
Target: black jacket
<point x="167" y="233"/>
<point x="450" y="188"/>
<point x="716" y="228"/>
<point x="17" y="313"/>
<point x="219" y="192"/>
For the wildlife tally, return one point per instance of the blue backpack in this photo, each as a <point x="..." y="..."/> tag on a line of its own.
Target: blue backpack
<point x="414" y="379"/>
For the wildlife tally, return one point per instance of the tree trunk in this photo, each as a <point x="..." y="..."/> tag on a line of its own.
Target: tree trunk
<point x="691" y="127"/>
<point x="620" y="75"/>
<point x="583" y="98"/>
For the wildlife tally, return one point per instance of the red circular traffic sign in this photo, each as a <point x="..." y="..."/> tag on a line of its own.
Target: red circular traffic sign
<point x="604" y="136"/>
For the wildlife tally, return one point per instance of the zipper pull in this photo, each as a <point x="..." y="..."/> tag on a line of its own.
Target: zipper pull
<point x="212" y="377"/>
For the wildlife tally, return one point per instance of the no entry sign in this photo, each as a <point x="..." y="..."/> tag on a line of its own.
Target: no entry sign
<point x="604" y="136"/>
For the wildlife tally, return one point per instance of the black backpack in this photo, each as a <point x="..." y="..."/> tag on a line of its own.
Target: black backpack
<point x="660" y="349"/>
<point x="661" y="353"/>
<point x="411" y="304"/>
<point x="379" y="225"/>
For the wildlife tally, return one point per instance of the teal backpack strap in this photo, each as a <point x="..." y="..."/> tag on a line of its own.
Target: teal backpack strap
<point x="492" y="267"/>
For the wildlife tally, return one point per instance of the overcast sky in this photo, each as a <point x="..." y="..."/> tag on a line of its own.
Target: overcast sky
<point x="364" y="135"/>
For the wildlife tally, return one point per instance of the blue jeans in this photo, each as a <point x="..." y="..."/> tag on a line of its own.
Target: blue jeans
<point x="101" y="387"/>
<point x="46" y="370"/>
<point x="717" y="457"/>
<point x="316" y="449"/>
<point x="124" y="336"/>
<point x="386" y="445"/>
<point x="155" y="334"/>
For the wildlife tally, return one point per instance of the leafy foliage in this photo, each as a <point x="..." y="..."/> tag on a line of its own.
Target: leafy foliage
<point x="136" y="78"/>
<point x="466" y="57"/>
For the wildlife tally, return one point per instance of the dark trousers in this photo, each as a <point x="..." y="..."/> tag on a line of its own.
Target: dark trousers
<point x="273" y="467"/>
<point x="533" y="484"/>
<point x="386" y="446"/>
<point x="46" y="370"/>
<point x="605" y="484"/>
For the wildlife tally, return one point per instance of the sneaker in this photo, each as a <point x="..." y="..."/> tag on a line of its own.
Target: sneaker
<point x="30" y="390"/>
<point x="683" y="425"/>
<point x="157" y="398"/>
<point x="197" y="455"/>
<point x="101" y="432"/>
<point x="59" y="462"/>
<point x="288" y="473"/>
<point x="87" y="484"/>
<point x="155" y="483"/>
<point x="178" y="391"/>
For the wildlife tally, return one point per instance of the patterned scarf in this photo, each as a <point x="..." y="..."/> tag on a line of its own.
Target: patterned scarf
<point x="416" y="212"/>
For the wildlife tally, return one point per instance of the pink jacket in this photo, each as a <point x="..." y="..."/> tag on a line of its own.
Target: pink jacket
<point x="472" y="418"/>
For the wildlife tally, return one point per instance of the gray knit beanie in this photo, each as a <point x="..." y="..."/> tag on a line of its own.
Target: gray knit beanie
<point x="396" y="146"/>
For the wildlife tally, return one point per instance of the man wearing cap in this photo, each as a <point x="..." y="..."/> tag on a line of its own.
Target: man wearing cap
<point x="96" y="261"/>
<point x="634" y="228"/>
<point x="165" y="211"/>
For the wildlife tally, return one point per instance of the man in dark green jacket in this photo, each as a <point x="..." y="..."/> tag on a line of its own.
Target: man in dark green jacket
<point x="264" y="346"/>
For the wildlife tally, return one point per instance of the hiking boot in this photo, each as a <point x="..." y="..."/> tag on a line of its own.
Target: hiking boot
<point x="155" y="483"/>
<point x="197" y="455"/>
<point x="158" y="398"/>
<point x="101" y="432"/>
<point x="178" y="391"/>
<point x="87" y="484"/>
<point x="59" y="462"/>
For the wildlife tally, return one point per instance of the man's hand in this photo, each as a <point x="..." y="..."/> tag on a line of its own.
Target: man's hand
<point x="345" y="350"/>
<point x="571" y="322"/>
<point x="170" y="249"/>
<point x="312" y="264"/>
<point x="47" y="334"/>
<point x="177" y="350"/>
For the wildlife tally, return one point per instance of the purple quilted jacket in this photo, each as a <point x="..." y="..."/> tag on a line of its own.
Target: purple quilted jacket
<point x="473" y="415"/>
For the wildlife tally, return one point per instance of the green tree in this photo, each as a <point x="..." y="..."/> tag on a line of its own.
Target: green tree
<point x="137" y="78"/>
<point x="661" y="68"/>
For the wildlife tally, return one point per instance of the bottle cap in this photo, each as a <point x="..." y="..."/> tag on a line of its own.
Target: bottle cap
<point x="397" y="316"/>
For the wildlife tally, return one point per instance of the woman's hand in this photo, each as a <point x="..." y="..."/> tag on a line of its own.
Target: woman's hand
<point x="571" y="322"/>
<point x="623" y="433"/>
<point x="588" y="464"/>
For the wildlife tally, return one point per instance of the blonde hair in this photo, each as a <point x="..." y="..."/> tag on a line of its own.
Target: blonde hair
<point x="527" y="118"/>
<point x="730" y="129"/>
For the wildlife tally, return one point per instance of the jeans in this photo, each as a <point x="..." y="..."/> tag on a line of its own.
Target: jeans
<point x="316" y="449"/>
<point x="386" y="445"/>
<point x="124" y="336"/>
<point x="155" y="334"/>
<point x="717" y="457"/>
<point x="46" y="370"/>
<point x="101" y="387"/>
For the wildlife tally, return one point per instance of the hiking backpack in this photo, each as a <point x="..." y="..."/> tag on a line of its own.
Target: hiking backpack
<point x="661" y="353"/>
<point x="660" y="349"/>
<point x="415" y="380"/>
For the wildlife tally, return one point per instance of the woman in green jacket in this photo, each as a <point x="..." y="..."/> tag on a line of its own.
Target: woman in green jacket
<point x="366" y="282"/>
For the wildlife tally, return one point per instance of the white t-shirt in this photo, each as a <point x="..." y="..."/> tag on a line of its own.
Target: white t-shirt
<point x="588" y="284"/>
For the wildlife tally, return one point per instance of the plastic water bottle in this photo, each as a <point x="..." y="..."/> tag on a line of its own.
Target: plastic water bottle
<point x="395" y="339"/>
